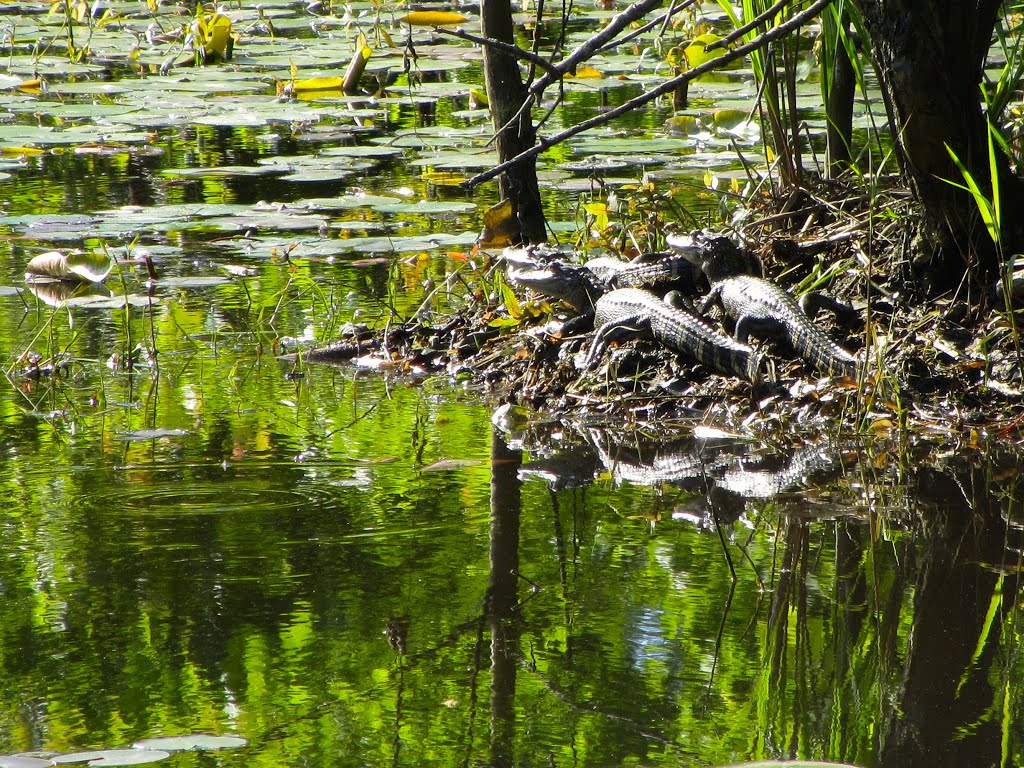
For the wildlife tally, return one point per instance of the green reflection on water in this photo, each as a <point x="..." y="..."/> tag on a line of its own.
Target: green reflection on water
<point x="277" y="564"/>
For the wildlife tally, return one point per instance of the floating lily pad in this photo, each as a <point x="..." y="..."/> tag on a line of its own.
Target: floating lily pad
<point x="206" y="86"/>
<point x="226" y="171"/>
<point x="346" y="202"/>
<point x="195" y="741"/>
<point x="271" y="220"/>
<point x="232" y="119"/>
<point x="446" y="465"/>
<point x="428" y="206"/>
<point x="136" y="215"/>
<point x="113" y="302"/>
<point x="79" y="266"/>
<point x="194" y="282"/>
<point x="137" y="435"/>
<point x="112" y="757"/>
<point x="441" y="159"/>
<point x="595" y="165"/>
<point x="312" y="176"/>
<point x="364" y="150"/>
<point x="627" y="145"/>
<point x="17" y="761"/>
<point x="90" y="87"/>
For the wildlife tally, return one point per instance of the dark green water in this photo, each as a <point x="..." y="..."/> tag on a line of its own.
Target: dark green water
<point x="353" y="568"/>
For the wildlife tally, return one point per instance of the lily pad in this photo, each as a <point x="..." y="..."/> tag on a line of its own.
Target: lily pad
<point x="428" y="206"/>
<point x="364" y="150"/>
<point x="113" y="302"/>
<point x="77" y="266"/>
<point x="195" y="741"/>
<point x="111" y="757"/>
<point x="135" y="435"/>
<point x="225" y="171"/>
<point x="314" y="176"/>
<point x="595" y="165"/>
<point x="347" y="202"/>
<point x="17" y="761"/>
<point x="194" y="282"/>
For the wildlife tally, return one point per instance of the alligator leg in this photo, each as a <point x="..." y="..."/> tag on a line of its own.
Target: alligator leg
<point x="677" y="300"/>
<point x="579" y="324"/>
<point x="616" y="330"/>
<point x="714" y="297"/>
<point x="759" y="328"/>
<point x="811" y="302"/>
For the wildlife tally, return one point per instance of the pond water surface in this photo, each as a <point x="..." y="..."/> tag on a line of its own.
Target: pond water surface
<point x="355" y="568"/>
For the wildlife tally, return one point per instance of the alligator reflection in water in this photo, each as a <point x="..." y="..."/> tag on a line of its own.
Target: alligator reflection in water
<point x="727" y="471"/>
<point x="915" y="663"/>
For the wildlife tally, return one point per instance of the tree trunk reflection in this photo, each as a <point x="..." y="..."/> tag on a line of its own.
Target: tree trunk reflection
<point x="502" y="597"/>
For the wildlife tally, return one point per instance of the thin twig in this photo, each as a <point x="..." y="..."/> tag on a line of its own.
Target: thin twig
<point x="501" y="45"/>
<point x="568" y="64"/>
<point x="667" y="87"/>
<point x="662" y="19"/>
<point x="586" y="50"/>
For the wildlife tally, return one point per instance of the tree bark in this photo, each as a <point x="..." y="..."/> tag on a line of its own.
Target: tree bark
<point x="506" y="94"/>
<point x="929" y="60"/>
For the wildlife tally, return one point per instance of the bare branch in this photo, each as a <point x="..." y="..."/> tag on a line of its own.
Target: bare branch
<point x="668" y="86"/>
<point x="739" y="32"/>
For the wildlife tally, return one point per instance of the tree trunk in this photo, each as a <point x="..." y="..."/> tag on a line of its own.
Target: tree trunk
<point x="506" y="94"/>
<point x="929" y="60"/>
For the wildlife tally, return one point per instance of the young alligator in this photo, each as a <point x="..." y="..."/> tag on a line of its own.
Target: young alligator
<point x="574" y="284"/>
<point x="544" y="269"/>
<point x="763" y="309"/>
<point x="635" y="312"/>
<point x="623" y="312"/>
<point x="648" y="270"/>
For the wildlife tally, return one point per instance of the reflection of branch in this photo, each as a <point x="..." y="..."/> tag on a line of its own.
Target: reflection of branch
<point x="582" y="706"/>
<point x="667" y="87"/>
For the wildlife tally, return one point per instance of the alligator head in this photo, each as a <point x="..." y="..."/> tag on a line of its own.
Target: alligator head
<point x="717" y="257"/>
<point x="571" y="283"/>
